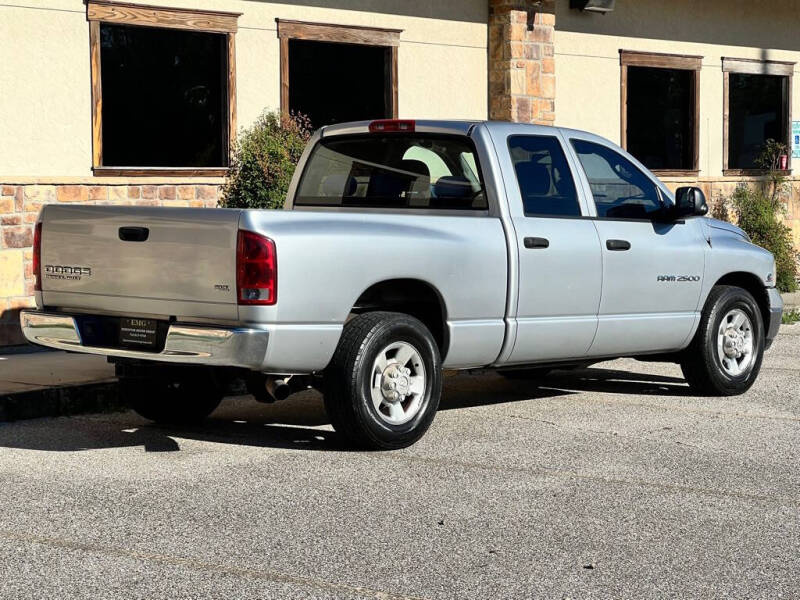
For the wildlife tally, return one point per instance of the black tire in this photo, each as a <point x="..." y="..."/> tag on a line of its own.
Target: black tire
<point x="171" y="401"/>
<point x="347" y="381"/>
<point x="701" y="364"/>
<point x="525" y="374"/>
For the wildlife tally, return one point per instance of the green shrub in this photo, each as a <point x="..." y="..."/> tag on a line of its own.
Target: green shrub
<point x="264" y="160"/>
<point x="758" y="207"/>
<point x="790" y="316"/>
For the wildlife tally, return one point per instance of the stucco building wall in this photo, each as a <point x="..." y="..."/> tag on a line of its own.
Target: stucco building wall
<point x="588" y="62"/>
<point x="45" y="73"/>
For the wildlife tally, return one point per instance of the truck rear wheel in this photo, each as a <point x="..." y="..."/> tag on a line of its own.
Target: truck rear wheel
<point x="725" y="355"/>
<point x="383" y="385"/>
<point x="172" y="401"/>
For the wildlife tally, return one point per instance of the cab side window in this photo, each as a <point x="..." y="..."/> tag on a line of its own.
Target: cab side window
<point x="544" y="178"/>
<point x="620" y="190"/>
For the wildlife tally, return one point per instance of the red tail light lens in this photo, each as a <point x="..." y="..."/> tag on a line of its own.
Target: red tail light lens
<point x="37" y="257"/>
<point x="256" y="269"/>
<point x="392" y="126"/>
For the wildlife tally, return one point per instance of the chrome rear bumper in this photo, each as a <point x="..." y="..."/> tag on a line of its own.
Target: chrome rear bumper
<point x="187" y="344"/>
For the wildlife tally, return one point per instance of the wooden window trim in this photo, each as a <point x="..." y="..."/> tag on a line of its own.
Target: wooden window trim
<point x="752" y="172"/>
<point x="124" y="13"/>
<point x="676" y="172"/>
<point x="681" y="62"/>
<point x="686" y="62"/>
<point x="331" y="32"/>
<point x="343" y="34"/>
<point x="748" y="66"/>
<point x="160" y="171"/>
<point x="751" y="66"/>
<point x="121" y="13"/>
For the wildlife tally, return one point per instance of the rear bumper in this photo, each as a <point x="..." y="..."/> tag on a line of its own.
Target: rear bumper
<point x="186" y="344"/>
<point x="775" y="315"/>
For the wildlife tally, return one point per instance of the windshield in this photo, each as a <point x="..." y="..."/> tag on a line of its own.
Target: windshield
<point x="415" y="171"/>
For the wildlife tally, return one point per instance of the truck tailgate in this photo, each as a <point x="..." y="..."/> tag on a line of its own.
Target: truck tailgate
<point x="171" y="261"/>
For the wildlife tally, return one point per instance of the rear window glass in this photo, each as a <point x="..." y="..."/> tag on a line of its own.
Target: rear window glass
<point x="415" y="171"/>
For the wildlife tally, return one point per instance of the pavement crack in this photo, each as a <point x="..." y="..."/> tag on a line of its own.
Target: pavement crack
<point x="201" y="565"/>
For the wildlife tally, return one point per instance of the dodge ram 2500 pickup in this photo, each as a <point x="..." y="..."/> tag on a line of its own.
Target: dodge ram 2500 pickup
<point x="407" y="247"/>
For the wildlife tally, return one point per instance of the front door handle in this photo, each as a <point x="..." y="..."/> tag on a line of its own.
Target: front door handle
<point x="536" y="242"/>
<point x="618" y="245"/>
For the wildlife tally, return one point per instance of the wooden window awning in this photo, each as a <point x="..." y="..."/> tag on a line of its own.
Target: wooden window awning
<point x="123" y="13"/>
<point x="345" y="34"/>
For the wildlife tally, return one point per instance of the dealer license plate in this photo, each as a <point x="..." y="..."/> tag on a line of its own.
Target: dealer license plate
<point x="138" y="332"/>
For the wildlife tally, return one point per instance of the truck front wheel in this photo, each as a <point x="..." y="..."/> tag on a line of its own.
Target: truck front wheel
<point x="171" y="400"/>
<point x="383" y="384"/>
<point x="725" y="355"/>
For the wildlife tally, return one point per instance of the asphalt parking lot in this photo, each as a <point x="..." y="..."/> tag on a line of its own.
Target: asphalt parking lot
<point x="607" y="482"/>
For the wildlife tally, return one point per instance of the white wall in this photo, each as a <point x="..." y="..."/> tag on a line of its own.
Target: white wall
<point x="45" y="89"/>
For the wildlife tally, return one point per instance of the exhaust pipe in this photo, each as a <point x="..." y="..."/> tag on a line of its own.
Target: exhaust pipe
<point x="279" y="389"/>
<point x="268" y="388"/>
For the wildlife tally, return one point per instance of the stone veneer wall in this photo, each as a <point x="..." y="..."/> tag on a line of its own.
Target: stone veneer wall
<point x="20" y="204"/>
<point x="522" y="80"/>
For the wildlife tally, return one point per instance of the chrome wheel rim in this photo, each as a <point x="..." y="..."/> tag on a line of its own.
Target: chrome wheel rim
<point x="398" y="383"/>
<point x="735" y="345"/>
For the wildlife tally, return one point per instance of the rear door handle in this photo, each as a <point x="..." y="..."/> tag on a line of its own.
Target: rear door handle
<point x="536" y="242"/>
<point x="134" y="234"/>
<point x="618" y="245"/>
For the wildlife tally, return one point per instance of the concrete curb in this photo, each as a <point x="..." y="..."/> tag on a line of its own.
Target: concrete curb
<point x="60" y="401"/>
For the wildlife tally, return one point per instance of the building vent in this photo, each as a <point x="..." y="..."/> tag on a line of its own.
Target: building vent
<point x="598" y="6"/>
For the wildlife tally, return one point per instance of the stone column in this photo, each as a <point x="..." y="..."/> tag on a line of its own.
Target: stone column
<point x="522" y="80"/>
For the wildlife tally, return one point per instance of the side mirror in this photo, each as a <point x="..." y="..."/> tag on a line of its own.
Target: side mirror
<point x="689" y="202"/>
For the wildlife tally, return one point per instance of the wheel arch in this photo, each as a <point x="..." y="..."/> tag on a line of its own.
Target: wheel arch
<point x="414" y="297"/>
<point x="752" y="283"/>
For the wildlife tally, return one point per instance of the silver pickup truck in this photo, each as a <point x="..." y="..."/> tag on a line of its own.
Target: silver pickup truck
<point x="407" y="247"/>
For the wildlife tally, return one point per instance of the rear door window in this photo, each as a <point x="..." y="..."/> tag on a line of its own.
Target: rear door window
<point x="545" y="180"/>
<point x="414" y="171"/>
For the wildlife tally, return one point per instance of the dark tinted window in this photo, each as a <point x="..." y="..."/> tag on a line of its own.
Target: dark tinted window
<point x="660" y="130"/>
<point x="393" y="171"/>
<point x="334" y="83"/>
<point x="164" y="94"/>
<point x="758" y="107"/>
<point x="620" y="190"/>
<point x="545" y="181"/>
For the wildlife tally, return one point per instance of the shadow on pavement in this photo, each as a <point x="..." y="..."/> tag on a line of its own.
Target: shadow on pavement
<point x="617" y="382"/>
<point x="293" y="424"/>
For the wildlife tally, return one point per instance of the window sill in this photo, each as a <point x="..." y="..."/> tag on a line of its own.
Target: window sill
<point x="752" y="172"/>
<point x="676" y="173"/>
<point x="159" y="171"/>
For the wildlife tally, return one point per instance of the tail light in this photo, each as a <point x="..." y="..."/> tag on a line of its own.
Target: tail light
<point x="392" y="126"/>
<point x="37" y="257"/>
<point x="256" y="269"/>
